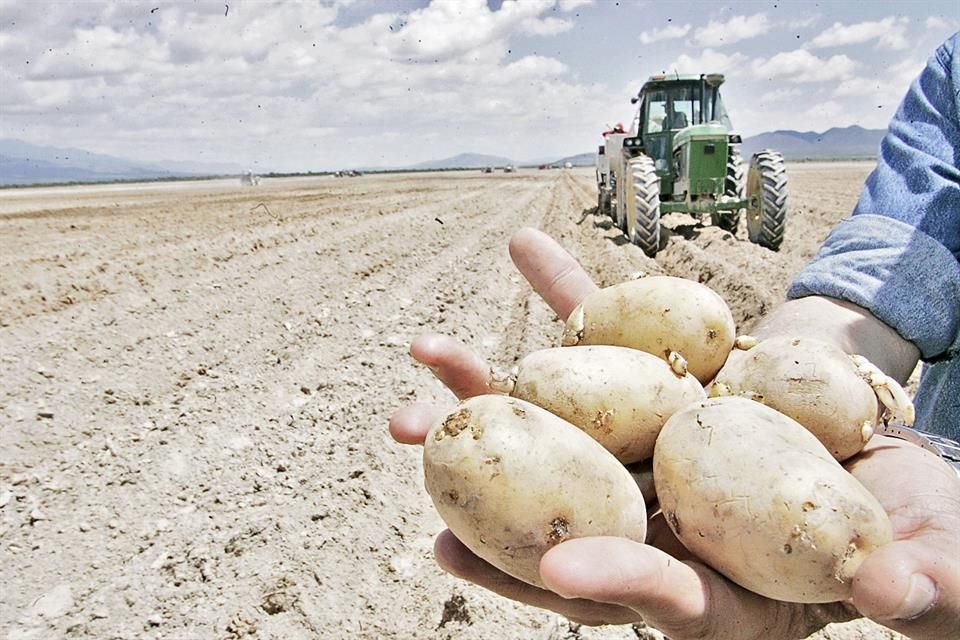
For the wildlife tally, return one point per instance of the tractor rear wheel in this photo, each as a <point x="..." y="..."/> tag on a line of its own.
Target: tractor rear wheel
<point x="767" y="199"/>
<point x="733" y="187"/>
<point x="643" y="204"/>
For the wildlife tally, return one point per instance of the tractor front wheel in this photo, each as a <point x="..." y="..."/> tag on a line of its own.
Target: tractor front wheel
<point x="732" y="188"/>
<point x="767" y="199"/>
<point x="642" y="202"/>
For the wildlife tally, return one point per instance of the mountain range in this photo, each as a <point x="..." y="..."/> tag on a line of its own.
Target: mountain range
<point x="25" y="163"/>
<point x="833" y="144"/>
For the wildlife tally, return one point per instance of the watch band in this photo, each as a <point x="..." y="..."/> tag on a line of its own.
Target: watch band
<point x="947" y="449"/>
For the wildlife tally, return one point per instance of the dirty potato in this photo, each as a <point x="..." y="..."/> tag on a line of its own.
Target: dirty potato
<point x="660" y="315"/>
<point x="512" y="480"/>
<point x="758" y="498"/>
<point x="832" y="394"/>
<point x="620" y="397"/>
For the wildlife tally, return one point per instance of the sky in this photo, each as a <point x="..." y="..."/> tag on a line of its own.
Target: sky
<point x="334" y="84"/>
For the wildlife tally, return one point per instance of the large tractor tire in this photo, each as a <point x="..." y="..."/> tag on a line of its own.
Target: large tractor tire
<point x="643" y="204"/>
<point x="767" y="199"/>
<point x="733" y="187"/>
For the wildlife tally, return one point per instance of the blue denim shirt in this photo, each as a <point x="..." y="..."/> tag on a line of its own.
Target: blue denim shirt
<point x="898" y="254"/>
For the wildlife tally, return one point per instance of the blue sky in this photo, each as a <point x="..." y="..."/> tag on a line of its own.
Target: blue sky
<point x="297" y="86"/>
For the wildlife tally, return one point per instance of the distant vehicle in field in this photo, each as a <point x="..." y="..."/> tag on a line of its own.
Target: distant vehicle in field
<point x="568" y="165"/>
<point x="249" y="179"/>
<point x="509" y="168"/>
<point x="487" y="169"/>
<point x="347" y="173"/>
<point x="681" y="155"/>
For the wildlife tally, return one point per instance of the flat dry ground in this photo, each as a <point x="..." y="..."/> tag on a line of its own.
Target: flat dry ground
<point x="197" y="379"/>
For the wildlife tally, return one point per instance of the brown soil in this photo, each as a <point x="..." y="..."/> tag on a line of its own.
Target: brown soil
<point x="197" y="379"/>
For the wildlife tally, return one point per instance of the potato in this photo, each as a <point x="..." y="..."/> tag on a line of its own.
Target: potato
<point x="659" y="315"/>
<point x="512" y="480"/>
<point x="620" y="397"/>
<point x="759" y="499"/>
<point x="813" y="382"/>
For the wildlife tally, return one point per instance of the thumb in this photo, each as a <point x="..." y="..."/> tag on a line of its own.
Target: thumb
<point x="911" y="586"/>
<point x="680" y="599"/>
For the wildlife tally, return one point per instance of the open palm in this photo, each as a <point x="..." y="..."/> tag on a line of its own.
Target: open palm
<point x="911" y="585"/>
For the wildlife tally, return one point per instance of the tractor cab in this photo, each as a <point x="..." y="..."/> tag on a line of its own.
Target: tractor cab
<point x="671" y="104"/>
<point x="681" y="156"/>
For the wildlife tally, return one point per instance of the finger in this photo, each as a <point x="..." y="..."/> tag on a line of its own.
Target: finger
<point x="410" y="424"/>
<point x="678" y="598"/>
<point x="463" y="371"/>
<point x="912" y="586"/>
<point x="552" y="272"/>
<point x="455" y="558"/>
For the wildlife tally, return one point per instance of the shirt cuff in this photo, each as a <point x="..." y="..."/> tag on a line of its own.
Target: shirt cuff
<point x="901" y="275"/>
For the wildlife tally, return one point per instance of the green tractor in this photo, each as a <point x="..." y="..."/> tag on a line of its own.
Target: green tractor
<point x="680" y="155"/>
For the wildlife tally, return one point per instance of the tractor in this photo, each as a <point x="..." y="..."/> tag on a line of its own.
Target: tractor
<point x="681" y="155"/>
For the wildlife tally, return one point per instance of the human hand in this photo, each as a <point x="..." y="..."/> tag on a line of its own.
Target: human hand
<point x="660" y="581"/>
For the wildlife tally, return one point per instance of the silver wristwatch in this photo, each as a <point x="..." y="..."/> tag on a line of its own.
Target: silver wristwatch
<point x="943" y="447"/>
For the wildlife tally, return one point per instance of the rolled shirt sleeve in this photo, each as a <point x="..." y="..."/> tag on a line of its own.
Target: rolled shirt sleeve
<point x="898" y="253"/>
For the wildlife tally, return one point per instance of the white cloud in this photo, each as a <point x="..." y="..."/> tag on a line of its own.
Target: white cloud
<point x="944" y="25"/>
<point x="571" y="5"/>
<point x="825" y="114"/>
<point x="546" y="26"/>
<point x="779" y="95"/>
<point x="889" y="33"/>
<point x="333" y="83"/>
<point x="254" y="80"/>
<point x="531" y="67"/>
<point x="800" y="23"/>
<point x="667" y="33"/>
<point x="709" y="61"/>
<point x="881" y="93"/>
<point x="733" y="30"/>
<point x="800" y="65"/>
<point x="449" y="28"/>
<point x="862" y="87"/>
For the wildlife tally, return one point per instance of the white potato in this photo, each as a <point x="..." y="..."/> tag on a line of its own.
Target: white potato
<point x="659" y="315"/>
<point x="619" y="396"/>
<point x="812" y="381"/>
<point x="758" y="498"/>
<point x="512" y="480"/>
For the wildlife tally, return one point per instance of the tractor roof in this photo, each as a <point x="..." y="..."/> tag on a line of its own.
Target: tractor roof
<point x="666" y="78"/>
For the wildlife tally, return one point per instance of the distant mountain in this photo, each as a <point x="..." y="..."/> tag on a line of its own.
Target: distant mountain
<point x="832" y="144"/>
<point x="25" y="163"/>
<point x="464" y="161"/>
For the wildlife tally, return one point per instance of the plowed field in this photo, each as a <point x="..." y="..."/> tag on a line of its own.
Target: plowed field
<point x="197" y="378"/>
